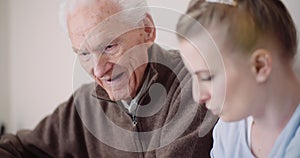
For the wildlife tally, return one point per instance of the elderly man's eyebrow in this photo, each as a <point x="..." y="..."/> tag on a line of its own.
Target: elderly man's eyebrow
<point x="101" y="46"/>
<point x="77" y="51"/>
<point x="104" y="43"/>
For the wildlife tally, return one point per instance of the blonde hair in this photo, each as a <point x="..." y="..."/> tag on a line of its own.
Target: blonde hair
<point x="248" y="23"/>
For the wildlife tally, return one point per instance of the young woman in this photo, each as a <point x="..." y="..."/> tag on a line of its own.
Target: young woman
<point x="245" y="75"/>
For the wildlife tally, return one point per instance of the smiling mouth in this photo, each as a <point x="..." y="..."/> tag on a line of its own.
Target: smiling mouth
<point x="115" y="77"/>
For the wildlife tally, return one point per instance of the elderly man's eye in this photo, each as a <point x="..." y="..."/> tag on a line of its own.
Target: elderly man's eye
<point x="85" y="56"/>
<point x="110" y="48"/>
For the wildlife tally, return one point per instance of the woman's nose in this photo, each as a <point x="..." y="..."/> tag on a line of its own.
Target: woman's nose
<point x="204" y="97"/>
<point x="201" y="92"/>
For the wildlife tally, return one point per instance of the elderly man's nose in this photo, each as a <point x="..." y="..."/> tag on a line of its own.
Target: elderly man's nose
<point x="100" y="69"/>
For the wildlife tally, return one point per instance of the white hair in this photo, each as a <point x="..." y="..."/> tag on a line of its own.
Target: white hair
<point x="134" y="10"/>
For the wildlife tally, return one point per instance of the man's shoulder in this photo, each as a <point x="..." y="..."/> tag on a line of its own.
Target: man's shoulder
<point x="160" y="54"/>
<point x="86" y="92"/>
<point x="168" y="58"/>
<point x="86" y="88"/>
<point x="81" y="94"/>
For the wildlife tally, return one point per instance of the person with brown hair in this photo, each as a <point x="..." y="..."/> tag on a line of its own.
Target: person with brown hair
<point x="241" y="58"/>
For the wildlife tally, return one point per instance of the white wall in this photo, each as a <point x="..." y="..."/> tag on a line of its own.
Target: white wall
<point x="165" y="14"/>
<point x="41" y="61"/>
<point x="4" y="63"/>
<point x="293" y="7"/>
<point x="37" y="64"/>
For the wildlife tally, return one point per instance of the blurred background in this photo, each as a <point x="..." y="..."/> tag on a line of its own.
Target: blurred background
<point x="37" y="62"/>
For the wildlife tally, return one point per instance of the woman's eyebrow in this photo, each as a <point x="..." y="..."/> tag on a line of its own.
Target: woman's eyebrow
<point x="201" y="71"/>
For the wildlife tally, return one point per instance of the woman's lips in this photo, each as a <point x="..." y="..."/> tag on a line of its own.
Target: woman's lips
<point x="215" y="111"/>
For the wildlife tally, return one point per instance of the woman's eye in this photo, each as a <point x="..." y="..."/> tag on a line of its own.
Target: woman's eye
<point x="207" y="78"/>
<point x="85" y="56"/>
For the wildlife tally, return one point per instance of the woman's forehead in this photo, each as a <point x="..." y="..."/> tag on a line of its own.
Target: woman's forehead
<point x="203" y="52"/>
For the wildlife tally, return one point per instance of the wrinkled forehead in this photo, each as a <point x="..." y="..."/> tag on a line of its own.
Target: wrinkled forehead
<point x="111" y="28"/>
<point x="192" y="56"/>
<point x="82" y="19"/>
<point x="102" y="30"/>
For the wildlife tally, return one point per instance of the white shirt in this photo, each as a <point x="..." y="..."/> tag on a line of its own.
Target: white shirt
<point x="134" y="102"/>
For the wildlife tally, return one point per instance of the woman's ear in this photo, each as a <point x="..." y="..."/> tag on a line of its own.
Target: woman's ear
<point x="149" y="29"/>
<point x="261" y="65"/>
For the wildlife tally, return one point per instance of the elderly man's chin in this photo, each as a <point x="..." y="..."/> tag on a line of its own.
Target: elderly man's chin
<point x="120" y="94"/>
<point x="121" y="90"/>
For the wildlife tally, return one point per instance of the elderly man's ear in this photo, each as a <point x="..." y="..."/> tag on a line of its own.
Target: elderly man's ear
<point x="149" y="29"/>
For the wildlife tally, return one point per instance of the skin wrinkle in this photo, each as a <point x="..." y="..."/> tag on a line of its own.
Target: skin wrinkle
<point x="86" y="33"/>
<point x="90" y="15"/>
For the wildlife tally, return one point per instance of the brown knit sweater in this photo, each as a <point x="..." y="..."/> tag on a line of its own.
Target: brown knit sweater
<point x="165" y="124"/>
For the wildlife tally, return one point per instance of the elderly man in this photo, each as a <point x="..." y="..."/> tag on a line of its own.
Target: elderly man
<point x="140" y="104"/>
